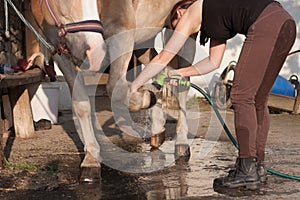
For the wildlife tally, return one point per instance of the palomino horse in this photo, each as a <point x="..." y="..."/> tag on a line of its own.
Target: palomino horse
<point x="74" y="29"/>
<point x="130" y="25"/>
<point x="127" y="23"/>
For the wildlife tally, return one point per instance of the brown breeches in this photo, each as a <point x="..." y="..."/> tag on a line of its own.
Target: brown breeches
<point x="265" y="49"/>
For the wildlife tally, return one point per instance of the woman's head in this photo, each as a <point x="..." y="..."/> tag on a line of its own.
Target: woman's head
<point x="178" y="10"/>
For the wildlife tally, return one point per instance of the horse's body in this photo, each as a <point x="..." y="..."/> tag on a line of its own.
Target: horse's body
<point x="126" y="23"/>
<point x="131" y="26"/>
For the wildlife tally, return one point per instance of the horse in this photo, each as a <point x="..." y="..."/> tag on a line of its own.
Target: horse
<point x="75" y="31"/>
<point x="130" y="28"/>
<point x="126" y="25"/>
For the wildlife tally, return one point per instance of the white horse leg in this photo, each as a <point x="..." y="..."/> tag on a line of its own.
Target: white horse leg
<point x="182" y="148"/>
<point x="120" y="48"/>
<point x="90" y="167"/>
<point x="158" y="120"/>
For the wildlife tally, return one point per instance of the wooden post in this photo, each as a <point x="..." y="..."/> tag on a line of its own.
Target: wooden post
<point x="22" y="115"/>
<point x="297" y="103"/>
<point x="1" y="130"/>
<point x="32" y="43"/>
<point x="8" y="119"/>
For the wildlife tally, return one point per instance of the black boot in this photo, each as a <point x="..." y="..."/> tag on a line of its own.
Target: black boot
<point x="233" y="171"/>
<point x="262" y="172"/>
<point x="246" y="175"/>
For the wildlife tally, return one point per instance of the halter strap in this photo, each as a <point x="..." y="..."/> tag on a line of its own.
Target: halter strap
<point x="86" y="25"/>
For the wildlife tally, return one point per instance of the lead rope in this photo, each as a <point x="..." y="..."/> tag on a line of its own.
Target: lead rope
<point x="7" y="35"/>
<point x="61" y="30"/>
<point x="40" y="37"/>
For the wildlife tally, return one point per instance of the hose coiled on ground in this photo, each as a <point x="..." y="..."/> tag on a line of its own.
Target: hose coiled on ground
<point x="207" y="97"/>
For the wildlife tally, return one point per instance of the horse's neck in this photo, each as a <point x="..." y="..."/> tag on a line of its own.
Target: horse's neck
<point x="140" y="12"/>
<point x="40" y="12"/>
<point x="154" y="15"/>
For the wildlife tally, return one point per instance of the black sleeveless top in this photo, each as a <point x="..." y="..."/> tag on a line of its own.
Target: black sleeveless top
<point x="223" y="19"/>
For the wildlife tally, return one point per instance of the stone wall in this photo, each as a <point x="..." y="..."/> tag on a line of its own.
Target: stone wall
<point x="13" y="47"/>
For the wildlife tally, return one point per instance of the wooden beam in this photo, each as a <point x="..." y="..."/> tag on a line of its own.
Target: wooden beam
<point x="1" y="130"/>
<point x="22" y="115"/>
<point x="285" y="103"/>
<point x="297" y="103"/>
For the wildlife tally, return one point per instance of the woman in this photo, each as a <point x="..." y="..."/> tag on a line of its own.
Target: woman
<point x="270" y="33"/>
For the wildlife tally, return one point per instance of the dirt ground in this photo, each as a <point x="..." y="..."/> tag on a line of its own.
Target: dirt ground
<point x="47" y="166"/>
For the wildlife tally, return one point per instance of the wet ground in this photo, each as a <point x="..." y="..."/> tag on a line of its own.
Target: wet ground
<point x="47" y="166"/>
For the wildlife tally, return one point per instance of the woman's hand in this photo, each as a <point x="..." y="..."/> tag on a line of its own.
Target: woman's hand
<point x="132" y="89"/>
<point x="174" y="74"/>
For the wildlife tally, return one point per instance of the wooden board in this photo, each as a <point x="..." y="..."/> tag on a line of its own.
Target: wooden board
<point x="17" y="86"/>
<point x="21" y="78"/>
<point x="284" y="103"/>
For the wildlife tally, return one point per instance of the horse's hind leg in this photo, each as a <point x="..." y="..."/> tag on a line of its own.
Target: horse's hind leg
<point x="157" y="126"/>
<point x="182" y="148"/>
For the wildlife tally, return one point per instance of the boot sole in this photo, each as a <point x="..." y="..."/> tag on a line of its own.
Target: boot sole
<point x="247" y="185"/>
<point x="263" y="180"/>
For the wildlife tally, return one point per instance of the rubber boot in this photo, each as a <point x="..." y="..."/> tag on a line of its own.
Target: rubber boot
<point x="233" y="171"/>
<point x="262" y="172"/>
<point x="246" y="175"/>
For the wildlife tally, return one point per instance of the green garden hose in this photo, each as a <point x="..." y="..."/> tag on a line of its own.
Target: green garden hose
<point x="208" y="98"/>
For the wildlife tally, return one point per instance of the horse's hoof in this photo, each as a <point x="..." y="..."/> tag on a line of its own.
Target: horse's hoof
<point x="157" y="140"/>
<point x="90" y="175"/>
<point x="182" y="152"/>
<point x="154" y="149"/>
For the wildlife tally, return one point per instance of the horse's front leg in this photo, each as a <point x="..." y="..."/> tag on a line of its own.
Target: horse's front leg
<point x="90" y="166"/>
<point x="120" y="49"/>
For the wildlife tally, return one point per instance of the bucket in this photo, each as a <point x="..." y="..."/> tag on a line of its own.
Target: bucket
<point x="44" y="103"/>
<point x="283" y="87"/>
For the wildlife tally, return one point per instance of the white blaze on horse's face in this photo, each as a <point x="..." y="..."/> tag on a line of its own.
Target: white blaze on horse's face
<point x="95" y="41"/>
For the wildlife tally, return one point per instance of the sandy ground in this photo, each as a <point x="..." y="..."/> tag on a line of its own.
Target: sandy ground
<point x="47" y="166"/>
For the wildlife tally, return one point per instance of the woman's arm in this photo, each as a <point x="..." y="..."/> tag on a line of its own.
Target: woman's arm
<point x="189" y="23"/>
<point x="208" y="64"/>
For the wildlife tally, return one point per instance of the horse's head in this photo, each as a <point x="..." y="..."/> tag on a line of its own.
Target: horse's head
<point x="74" y="24"/>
